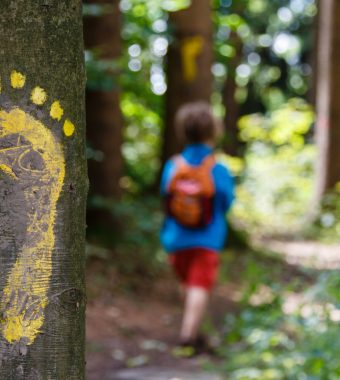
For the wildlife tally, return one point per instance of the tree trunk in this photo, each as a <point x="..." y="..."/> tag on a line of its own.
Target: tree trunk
<point x="313" y="57"/>
<point x="42" y="189"/>
<point x="104" y="118"/>
<point x="103" y="114"/>
<point x="189" y="63"/>
<point x="328" y="110"/>
<point x="232" y="143"/>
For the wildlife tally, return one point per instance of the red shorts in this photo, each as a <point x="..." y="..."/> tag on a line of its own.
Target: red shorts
<point x="196" y="267"/>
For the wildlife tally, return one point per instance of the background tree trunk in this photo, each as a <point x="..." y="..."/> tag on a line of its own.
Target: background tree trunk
<point x="313" y="57"/>
<point x="42" y="189"/>
<point x="103" y="117"/>
<point x="103" y="114"/>
<point x="189" y="63"/>
<point x="232" y="143"/>
<point x="328" y="110"/>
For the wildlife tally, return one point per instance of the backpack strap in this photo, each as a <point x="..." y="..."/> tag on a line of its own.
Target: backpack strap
<point x="179" y="161"/>
<point x="208" y="162"/>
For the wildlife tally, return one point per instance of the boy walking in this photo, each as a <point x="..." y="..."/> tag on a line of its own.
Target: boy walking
<point x="198" y="192"/>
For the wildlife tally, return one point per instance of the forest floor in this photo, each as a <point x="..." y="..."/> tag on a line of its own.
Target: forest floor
<point x="138" y="330"/>
<point x="131" y="335"/>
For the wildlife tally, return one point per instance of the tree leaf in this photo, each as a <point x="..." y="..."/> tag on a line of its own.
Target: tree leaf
<point x="175" y="5"/>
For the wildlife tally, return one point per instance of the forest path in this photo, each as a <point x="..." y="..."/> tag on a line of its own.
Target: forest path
<point x="131" y="335"/>
<point x="309" y="254"/>
<point x="158" y="373"/>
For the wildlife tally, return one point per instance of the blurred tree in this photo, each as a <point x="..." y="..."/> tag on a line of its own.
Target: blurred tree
<point x="103" y="115"/>
<point x="43" y="189"/>
<point x="328" y="111"/>
<point x="189" y="62"/>
<point x="314" y="56"/>
<point x="232" y="143"/>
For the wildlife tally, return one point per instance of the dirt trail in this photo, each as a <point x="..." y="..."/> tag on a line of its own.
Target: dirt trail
<point x="156" y="373"/>
<point x="132" y="337"/>
<point x="308" y="254"/>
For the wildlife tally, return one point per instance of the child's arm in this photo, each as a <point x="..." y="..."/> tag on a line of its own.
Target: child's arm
<point x="167" y="170"/>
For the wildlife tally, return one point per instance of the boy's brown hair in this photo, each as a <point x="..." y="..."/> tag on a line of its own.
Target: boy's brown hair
<point x="195" y="123"/>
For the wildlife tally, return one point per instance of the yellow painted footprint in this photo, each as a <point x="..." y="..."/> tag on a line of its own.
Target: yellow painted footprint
<point x="31" y="156"/>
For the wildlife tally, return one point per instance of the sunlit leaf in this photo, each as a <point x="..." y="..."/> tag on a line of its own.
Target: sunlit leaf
<point x="175" y="5"/>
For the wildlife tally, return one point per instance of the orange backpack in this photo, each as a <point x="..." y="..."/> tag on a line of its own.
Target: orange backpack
<point x="191" y="192"/>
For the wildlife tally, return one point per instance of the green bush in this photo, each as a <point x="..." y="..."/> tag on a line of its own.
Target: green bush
<point x="271" y="340"/>
<point x="276" y="183"/>
<point x="326" y="227"/>
<point x="133" y="247"/>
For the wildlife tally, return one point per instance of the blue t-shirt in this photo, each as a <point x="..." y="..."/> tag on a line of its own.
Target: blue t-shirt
<point x="174" y="236"/>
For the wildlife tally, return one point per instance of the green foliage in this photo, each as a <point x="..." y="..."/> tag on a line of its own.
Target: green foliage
<point x="277" y="181"/>
<point x="146" y="8"/>
<point x="175" y="5"/>
<point x="286" y="125"/>
<point x="326" y="227"/>
<point x="280" y="337"/>
<point x="145" y="38"/>
<point x="101" y="74"/>
<point x="138" y="244"/>
<point x="136" y="248"/>
<point x="264" y="45"/>
<point x="142" y="143"/>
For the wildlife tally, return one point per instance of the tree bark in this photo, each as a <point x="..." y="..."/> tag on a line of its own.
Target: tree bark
<point x="313" y="58"/>
<point x="232" y="143"/>
<point x="103" y="114"/>
<point x="42" y="189"/>
<point x="328" y="111"/>
<point x="189" y="63"/>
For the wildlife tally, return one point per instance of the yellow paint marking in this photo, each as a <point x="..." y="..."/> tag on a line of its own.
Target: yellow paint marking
<point x="56" y="111"/>
<point x="24" y="297"/>
<point x="17" y="79"/>
<point x="69" y="128"/>
<point x="38" y="96"/>
<point x="191" y="48"/>
<point x="13" y="148"/>
<point x="7" y="170"/>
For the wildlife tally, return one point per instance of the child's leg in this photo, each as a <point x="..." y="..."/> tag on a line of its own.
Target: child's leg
<point x="196" y="300"/>
<point x="197" y="270"/>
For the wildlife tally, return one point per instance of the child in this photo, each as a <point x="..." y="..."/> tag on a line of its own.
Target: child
<point x="198" y="192"/>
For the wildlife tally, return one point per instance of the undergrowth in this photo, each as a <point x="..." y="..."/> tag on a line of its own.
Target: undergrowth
<point x="286" y="329"/>
<point x="133" y="247"/>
